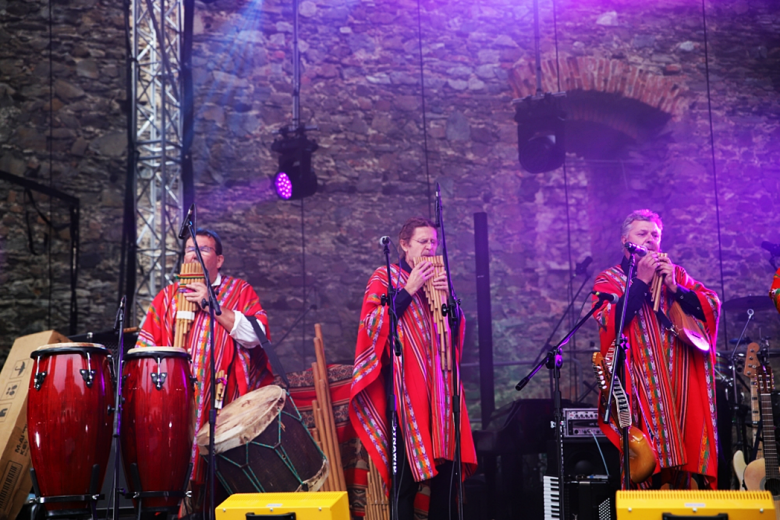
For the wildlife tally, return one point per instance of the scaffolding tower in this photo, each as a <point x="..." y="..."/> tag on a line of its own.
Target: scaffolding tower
<point x="156" y="69"/>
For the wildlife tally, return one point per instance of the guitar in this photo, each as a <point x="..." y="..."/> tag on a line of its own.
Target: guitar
<point x="752" y="364"/>
<point x="641" y="455"/>
<point x="764" y="474"/>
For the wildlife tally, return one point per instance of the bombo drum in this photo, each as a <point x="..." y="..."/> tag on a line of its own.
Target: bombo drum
<point x="69" y="420"/>
<point x="262" y="446"/>
<point x="158" y="425"/>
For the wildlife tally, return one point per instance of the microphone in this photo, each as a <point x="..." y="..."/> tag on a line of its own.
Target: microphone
<point x="582" y="266"/>
<point x="774" y="249"/>
<point x="120" y="312"/>
<point x="635" y="249"/>
<point x="187" y="220"/>
<point x="383" y="241"/>
<point x="605" y="296"/>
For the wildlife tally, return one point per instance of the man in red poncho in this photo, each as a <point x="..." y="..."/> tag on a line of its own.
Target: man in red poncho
<point x="237" y="349"/>
<point x="426" y="440"/>
<point x="670" y="384"/>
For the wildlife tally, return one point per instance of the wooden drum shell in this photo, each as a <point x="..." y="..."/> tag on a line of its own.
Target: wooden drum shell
<point x="69" y="421"/>
<point x="158" y="424"/>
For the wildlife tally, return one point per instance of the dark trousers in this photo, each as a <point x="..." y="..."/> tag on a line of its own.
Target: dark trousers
<point x="442" y="502"/>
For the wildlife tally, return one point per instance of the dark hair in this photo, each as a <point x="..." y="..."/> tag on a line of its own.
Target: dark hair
<point x="407" y="231"/>
<point x="203" y="232"/>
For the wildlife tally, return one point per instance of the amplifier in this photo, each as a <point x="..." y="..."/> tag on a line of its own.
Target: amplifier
<point x="581" y="422"/>
<point x="327" y="505"/>
<point x="654" y="505"/>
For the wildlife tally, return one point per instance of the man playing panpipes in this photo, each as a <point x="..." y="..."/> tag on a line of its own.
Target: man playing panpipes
<point x="423" y="390"/>
<point x="670" y="384"/>
<point x="237" y="349"/>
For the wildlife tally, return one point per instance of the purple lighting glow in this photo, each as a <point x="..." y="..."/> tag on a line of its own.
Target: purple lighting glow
<point x="283" y="185"/>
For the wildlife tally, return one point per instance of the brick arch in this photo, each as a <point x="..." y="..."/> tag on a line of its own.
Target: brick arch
<point x="616" y="77"/>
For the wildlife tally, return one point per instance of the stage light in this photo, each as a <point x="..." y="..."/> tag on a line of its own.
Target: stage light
<point x="295" y="178"/>
<point x="540" y="132"/>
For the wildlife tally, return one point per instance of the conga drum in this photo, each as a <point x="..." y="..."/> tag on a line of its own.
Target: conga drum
<point x="262" y="446"/>
<point x="158" y="424"/>
<point x="69" y="420"/>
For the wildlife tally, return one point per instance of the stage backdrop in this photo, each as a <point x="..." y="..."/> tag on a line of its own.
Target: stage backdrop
<point x="405" y="94"/>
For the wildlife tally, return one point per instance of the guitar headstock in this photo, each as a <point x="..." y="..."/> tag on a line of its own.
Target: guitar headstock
<point x="766" y="380"/>
<point x="752" y="363"/>
<point x="599" y="365"/>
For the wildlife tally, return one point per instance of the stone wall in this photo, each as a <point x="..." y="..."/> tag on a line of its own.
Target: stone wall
<point x="61" y="125"/>
<point x="638" y="134"/>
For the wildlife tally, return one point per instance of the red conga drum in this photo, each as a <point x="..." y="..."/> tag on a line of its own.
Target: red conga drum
<point x="158" y="424"/>
<point x="69" y="420"/>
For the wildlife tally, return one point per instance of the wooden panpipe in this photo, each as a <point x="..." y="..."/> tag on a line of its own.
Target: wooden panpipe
<point x="656" y="284"/>
<point x="325" y="432"/>
<point x="185" y="309"/>
<point x="436" y="299"/>
<point x="377" y="506"/>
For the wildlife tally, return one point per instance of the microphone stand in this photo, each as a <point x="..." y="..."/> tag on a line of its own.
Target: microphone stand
<point x="392" y="407"/>
<point x="553" y="361"/>
<point x="621" y="346"/>
<point x="119" y="326"/>
<point x="453" y="313"/>
<point x="547" y="344"/>
<point x="214" y="311"/>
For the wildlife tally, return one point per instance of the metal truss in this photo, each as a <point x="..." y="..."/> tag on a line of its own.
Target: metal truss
<point x="157" y="111"/>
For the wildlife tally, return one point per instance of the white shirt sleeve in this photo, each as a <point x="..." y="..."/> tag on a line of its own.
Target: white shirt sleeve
<point x="243" y="332"/>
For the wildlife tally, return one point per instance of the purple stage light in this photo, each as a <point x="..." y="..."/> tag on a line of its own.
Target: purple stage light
<point x="283" y="185"/>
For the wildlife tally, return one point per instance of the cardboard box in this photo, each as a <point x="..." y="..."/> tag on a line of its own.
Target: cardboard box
<point x="15" y="481"/>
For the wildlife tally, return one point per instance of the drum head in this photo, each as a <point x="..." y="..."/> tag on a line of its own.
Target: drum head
<point x="164" y="352"/>
<point x="68" y="348"/>
<point x="243" y="419"/>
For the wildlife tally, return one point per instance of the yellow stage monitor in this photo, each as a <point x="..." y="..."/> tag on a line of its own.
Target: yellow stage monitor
<point x="737" y="505"/>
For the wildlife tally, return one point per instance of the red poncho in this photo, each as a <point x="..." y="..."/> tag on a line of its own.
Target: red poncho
<point x="425" y="407"/>
<point x="247" y="369"/>
<point x="672" y="385"/>
<point x="774" y="291"/>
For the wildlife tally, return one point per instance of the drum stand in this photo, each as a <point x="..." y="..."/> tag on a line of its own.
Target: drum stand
<point x="140" y="495"/>
<point x="91" y="498"/>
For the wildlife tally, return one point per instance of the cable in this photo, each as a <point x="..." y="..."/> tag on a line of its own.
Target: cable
<point x="303" y="283"/>
<point x="50" y="146"/>
<point x="714" y="169"/>
<point x="424" y="117"/>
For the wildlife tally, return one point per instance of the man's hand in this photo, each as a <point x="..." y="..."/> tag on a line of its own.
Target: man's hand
<point x="666" y="267"/>
<point x="197" y="293"/>
<point x="440" y="282"/>
<point x="417" y="278"/>
<point x="645" y="268"/>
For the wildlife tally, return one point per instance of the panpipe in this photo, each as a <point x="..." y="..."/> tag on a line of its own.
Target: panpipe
<point x="377" y="506"/>
<point x="656" y="284"/>
<point x="185" y="314"/>
<point x="324" y="419"/>
<point x="436" y="299"/>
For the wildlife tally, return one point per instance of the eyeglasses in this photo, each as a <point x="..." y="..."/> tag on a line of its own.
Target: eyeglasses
<point x="205" y="250"/>
<point x="431" y="241"/>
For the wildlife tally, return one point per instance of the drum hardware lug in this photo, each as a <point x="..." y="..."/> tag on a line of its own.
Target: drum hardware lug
<point x="88" y="376"/>
<point x="158" y="378"/>
<point x="110" y="410"/>
<point x="39" y="377"/>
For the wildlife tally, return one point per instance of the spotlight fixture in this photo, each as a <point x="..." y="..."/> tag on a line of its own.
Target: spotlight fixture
<point x="295" y="179"/>
<point x="540" y="132"/>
